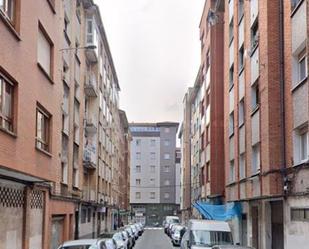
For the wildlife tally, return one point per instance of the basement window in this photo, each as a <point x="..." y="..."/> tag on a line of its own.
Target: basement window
<point x="300" y="214"/>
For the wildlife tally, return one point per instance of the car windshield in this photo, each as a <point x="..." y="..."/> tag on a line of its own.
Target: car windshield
<point x="173" y="220"/>
<point x="80" y="247"/>
<point x="211" y="238"/>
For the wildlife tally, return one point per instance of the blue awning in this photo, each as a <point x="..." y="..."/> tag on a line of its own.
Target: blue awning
<point x="219" y="212"/>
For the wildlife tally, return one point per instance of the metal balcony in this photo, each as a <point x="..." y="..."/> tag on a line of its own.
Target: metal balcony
<point x="91" y="89"/>
<point x="90" y="158"/>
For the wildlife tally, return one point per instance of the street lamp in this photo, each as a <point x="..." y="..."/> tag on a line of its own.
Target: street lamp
<point x="77" y="48"/>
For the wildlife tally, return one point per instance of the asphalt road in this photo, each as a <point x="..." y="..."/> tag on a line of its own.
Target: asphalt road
<point x="154" y="238"/>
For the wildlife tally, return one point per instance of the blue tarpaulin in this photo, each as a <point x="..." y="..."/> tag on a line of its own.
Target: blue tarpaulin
<point x="219" y="212"/>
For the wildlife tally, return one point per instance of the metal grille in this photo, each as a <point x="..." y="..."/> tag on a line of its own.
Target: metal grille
<point x="36" y="199"/>
<point x="11" y="197"/>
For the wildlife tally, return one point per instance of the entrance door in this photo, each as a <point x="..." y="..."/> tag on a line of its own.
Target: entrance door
<point x="244" y="230"/>
<point x="56" y="232"/>
<point x="276" y="225"/>
<point x="255" y="227"/>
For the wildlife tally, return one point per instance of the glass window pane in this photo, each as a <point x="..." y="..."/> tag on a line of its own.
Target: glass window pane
<point x="302" y="68"/>
<point x="303" y="146"/>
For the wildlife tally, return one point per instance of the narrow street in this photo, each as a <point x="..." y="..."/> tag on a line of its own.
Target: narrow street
<point x="154" y="238"/>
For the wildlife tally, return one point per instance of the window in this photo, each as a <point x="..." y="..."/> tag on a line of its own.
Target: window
<point x="75" y="177"/>
<point x="255" y="158"/>
<point x="242" y="166"/>
<point x="166" y="129"/>
<point x="138" y="168"/>
<point x="231" y="124"/>
<point x="152" y="143"/>
<point x="167" y="156"/>
<point x="152" y="195"/>
<point x="299" y="214"/>
<point x="232" y="171"/>
<point x="8" y="9"/>
<point x="42" y="129"/>
<point x="302" y="66"/>
<point x="241" y="58"/>
<point x="255" y="96"/>
<point x="152" y="155"/>
<point x="152" y="169"/>
<point x="77" y="71"/>
<point x="45" y="48"/>
<point x="137" y="195"/>
<point x="240" y="9"/>
<point x="166" y="142"/>
<point x="152" y="181"/>
<point x="254" y="35"/>
<point x="241" y="112"/>
<point x="83" y="215"/>
<point x="166" y="195"/>
<point x="231" y="30"/>
<point x="138" y="155"/>
<point x="294" y="4"/>
<point x="167" y="182"/>
<point x="231" y="76"/>
<point x="208" y="172"/>
<point x="207" y="135"/>
<point x="6" y="104"/>
<point x="138" y="142"/>
<point x="303" y="144"/>
<point x="138" y="182"/>
<point x="166" y="168"/>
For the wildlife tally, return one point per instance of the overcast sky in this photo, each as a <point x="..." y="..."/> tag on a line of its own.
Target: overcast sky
<point x="156" y="51"/>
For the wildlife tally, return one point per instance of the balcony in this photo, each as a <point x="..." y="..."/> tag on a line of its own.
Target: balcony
<point x="92" y="40"/>
<point x="90" y="155"/>
<point x="91" y="125"/>
<point x="91" y="89"/>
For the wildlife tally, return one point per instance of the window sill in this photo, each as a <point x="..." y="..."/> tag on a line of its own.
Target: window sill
<point x="255" y="110"/>
<point x="64" y="184"/>
<point x="231" y="184"/>
<point x="45" y="73"/>
<point x="10" y="27"/>
<point x="241" y="125"/>
<point x="231" y="87"/>
<point x="253" y="49"/>
<point x="240" y="18"/>
<point x="52" y="6"/>
<point x="231" y="135"/>
<point x="255" y="174"/>
<point x="231" y="41"/>
<point x="43" y="151"/>
<point x="296" y="8"/>
<point x="241" y="70"/>
<point x="11" y="133"/>
<point x="300" y="163"/>
<point x="299" y="84"/>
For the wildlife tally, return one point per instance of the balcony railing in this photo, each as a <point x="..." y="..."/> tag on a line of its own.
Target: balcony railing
<point x="90" y="156"/>
<point x="91" y="124"/>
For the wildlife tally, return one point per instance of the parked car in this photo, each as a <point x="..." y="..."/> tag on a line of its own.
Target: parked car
<point x="204" y="234"/>
<point x="177" y="234"/>
<point x="89" y="243"/>
<point x="170" y="229"/>
<point x="139" y="229"/>
<point x="170" y="220"/>
<point x="127" y="239"/>
<point x="135" y="231"/>
<point x="120" y="241"/>
<point x="131" y="235"/>
<point x="232" y="247"/>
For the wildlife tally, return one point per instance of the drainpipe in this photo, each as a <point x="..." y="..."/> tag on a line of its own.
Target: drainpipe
<point x="282" y="91"/>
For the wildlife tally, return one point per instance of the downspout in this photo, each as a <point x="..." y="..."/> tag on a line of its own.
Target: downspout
<point x="282" y="101"/>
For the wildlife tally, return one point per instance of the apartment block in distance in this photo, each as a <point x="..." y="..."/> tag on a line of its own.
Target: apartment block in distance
<point x="153" y="171"/>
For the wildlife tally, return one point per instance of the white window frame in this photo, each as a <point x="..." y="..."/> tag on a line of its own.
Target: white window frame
<point x="300" y="132"/>
<point x="138" y="195"/>
<point x="256" y="166"/>
<point x="303" y="57"/>
<point x="167" y="156"/>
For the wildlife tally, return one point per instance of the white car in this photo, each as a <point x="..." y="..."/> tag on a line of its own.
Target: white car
<point x="89" y="244"/>
<point x="204" y="234"/>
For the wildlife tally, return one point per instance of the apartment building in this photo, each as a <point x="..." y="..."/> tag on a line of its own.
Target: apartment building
<point x="184" y="136"/>
<point x="177" y="175"/>
<point x="153" y="171"/>
<point x="296" y="54"/>
<point x="59" y="130"/>
<point x="254" y="125"/>
<point x="30" y="127"/>
<point x="211" y="103"/>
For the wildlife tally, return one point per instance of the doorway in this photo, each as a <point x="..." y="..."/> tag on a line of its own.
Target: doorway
<point x="277" y="233"/>
<point x="255" y="227"/>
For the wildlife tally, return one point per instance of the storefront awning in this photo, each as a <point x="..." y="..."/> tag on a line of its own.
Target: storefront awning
<point x="13" y="175"/>
<point x="219" y="212"/>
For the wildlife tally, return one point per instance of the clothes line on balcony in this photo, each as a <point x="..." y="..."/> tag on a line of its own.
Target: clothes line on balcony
<point x="219" y="212"/>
